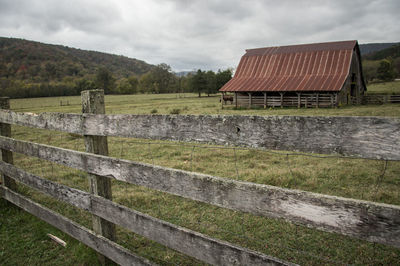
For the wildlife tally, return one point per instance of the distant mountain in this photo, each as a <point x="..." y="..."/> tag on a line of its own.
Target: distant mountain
<point x="184" y="73"/>
<point x="392" y="51"/>
<point x="368" y="48"/>
<point x="40" y="62"/>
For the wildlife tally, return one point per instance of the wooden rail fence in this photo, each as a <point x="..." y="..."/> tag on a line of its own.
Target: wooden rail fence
<point x="380" y="99"/>
<point x="363" y="137"/>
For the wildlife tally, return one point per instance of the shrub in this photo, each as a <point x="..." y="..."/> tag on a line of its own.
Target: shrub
<point x="175" y="111"/>
<point x="154" y="111"/>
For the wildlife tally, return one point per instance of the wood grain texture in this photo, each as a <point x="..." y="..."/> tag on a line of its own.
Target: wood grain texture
<point x="366" y="220"/>
<point x="71" y="123"/>
<point x="6" y="156"/>
<point x="93" y="103"/>
<point x="189" y="242"/>
<point x="364" y="137"/>
<point x="99" y="243"/>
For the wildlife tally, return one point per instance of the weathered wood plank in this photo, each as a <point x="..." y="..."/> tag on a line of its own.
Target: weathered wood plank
<point x="364" y="137"/>
<point x="366" y="220"/>
<point x="93" y="103"/>
<point x="101" y="244"/>
<point x="6" y="156"/>
<point x="71" y="123"/>
<point x="189" y="242"/>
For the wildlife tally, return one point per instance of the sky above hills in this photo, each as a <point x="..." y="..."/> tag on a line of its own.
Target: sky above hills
<point x="206" y="34"/>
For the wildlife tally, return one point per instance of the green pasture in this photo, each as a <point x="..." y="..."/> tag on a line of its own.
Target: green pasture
<point x="23" y="237"/>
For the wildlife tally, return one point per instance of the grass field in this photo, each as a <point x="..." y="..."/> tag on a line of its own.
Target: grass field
<point x="355" y="178"/>
<point x="384" y="88"/>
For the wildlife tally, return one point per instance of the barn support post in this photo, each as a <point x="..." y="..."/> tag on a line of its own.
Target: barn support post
<point x="332" y="105"/>
<point x="93" y="103"/>
<point x="298" y="100"/>
<point x="250" y="103"/>
<point x="306" y="101"/>
<point x="236" y="103"/>
<point x="336" y="100"/>
<point x="6" y="155"/>
<point x="265" y="100"/>
<point x="317" y="100"/>
<point x="281" y="93"/>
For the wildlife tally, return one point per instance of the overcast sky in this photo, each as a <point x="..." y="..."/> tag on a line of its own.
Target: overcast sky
<point x="206" y="34"/>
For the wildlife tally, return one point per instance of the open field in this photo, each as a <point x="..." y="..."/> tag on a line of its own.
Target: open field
<point x="384" y="88"/>
<point x="356" y="178"/>
<point x="189" y="103"/>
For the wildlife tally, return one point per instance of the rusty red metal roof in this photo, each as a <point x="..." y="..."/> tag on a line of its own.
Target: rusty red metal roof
<point x="305" y="67"/>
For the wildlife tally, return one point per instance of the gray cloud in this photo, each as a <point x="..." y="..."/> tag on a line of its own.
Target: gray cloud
<point x="206" y="34"/>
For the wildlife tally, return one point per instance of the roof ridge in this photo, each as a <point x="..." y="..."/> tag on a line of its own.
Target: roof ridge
<point x="300" y="48"/>
<point x="302" y="44"/>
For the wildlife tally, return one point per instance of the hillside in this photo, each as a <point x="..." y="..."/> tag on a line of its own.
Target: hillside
<point x="382" y="65"/>
<point x="393" y="51"/>
<point x="38" y="62"/>
<point x="368" y="48"/>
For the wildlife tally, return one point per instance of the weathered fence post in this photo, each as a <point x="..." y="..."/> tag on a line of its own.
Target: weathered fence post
<point x="265" y="100"/>
<point x="6" y="155"/>
<point x="250" y="100"/>
<point x="236" y="103"/>
<point x="93" y="103"/>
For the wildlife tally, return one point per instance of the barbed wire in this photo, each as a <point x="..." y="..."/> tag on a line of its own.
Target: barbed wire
<point x="125" y="145"/>
<point x="379" y="179"/>
<point x="239" y="148"/>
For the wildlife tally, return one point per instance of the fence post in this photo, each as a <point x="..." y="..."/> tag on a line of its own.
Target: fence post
<point x="236" y="103"/>
<point x="265" y="100"/>
<point x="93" y="103"/>
<point x="6" y="155"/>
<point x="250" y="100"/>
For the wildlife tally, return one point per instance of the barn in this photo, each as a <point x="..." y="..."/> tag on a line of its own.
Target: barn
<point x="306" y="75"/>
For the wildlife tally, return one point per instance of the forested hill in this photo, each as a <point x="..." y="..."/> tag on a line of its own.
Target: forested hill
<point x="368" y="48"/>
<point x="382" y="65"/>
<point x="33" y="69"/>
<point x="393" y="52"/>
<point x="40" y="62"/>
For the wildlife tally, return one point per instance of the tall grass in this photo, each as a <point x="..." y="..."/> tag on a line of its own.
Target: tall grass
<point x="355" y="178"/>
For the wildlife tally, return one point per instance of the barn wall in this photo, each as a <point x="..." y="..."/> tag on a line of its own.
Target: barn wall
<point x="288" y="99"/>
<point x="353" y="88"/>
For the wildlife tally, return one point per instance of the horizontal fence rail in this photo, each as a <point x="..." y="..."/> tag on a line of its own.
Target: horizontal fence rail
<point x="363" y="137"/>
<point x="189" y="242"/>
<point x="101" y="244"/>
<point x="380" y="99"/>
<point x="366" y="220"/>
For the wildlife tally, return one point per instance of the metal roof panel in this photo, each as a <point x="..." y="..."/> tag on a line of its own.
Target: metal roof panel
<point x="305" y="67"/>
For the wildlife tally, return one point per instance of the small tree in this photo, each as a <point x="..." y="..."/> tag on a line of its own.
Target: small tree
<point x="223" y="77"/>
<point x="211" y="82"/>
<point x="385" y="71"/>
<point x="105" y="80"/>
<point x="199" y="82"/>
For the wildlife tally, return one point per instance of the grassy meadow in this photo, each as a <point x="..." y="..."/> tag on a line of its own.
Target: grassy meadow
<point x="355" y="178"/>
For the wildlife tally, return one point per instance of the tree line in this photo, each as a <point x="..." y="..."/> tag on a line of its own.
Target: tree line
<point x="381" y="70"/>
<point x="159" y="79"/>
<point x="383" y="65"/>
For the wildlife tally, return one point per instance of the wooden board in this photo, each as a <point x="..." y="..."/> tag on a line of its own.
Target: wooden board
<point x="101" y="244"/>
<point x="364" y="137"/>
<point x="189" y="242"/>
<point x="366" y="220"/>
